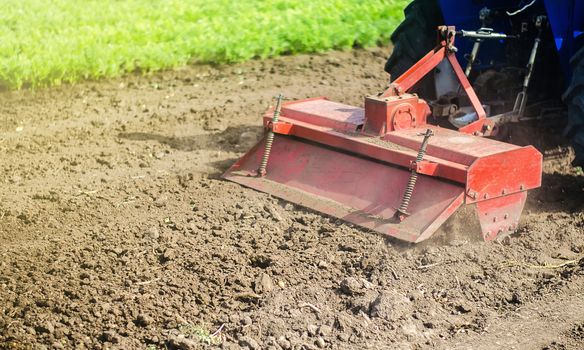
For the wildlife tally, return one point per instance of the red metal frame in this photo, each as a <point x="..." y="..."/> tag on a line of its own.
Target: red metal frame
<point x="444" y="50"/>
<point x="353" y="163"/>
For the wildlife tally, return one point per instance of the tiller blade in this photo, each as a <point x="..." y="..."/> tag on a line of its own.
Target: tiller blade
<point x="384" y="168"/>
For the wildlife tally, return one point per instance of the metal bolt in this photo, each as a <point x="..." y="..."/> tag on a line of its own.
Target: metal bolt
<point x="495" y="219"/>
<point x="506" y="216"/>
<point x="486" y="195"/>
<point x="270" y="137"/>
<point x="521" y="187"/>
<point x="504" y="191"/>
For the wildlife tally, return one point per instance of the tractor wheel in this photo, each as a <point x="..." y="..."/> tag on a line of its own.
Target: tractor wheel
<point x="574" y="98"/>
<point x="413" y="39"/>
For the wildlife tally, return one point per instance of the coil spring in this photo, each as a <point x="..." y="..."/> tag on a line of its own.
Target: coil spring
<point x="270" y="137"/>
<point x="402" y="211"/>
<point x="408" y="192"/>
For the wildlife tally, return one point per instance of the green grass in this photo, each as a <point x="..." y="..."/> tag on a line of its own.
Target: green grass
<point x="45" y="42"/>
<point x="200" y="333"/>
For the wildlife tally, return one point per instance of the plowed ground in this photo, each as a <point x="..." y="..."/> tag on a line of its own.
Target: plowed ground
<point x="117" y="232"/>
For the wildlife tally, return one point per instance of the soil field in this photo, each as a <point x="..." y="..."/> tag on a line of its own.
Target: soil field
<point x="116" y="231"/>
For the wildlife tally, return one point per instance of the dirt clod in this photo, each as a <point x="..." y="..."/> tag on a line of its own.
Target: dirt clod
<point x="284" y="343"/>
<point x="152" y="233"/>
<point x="180" y="342"/>
<point x="263" y="284"/>
<point x="249" y="342"/>
<point x="354" y="286"/>
<point x="389" y="305"/>
<point x="144" y="320"/>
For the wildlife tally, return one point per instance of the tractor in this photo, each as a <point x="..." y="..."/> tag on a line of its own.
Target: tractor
<point x="403" y="163"/>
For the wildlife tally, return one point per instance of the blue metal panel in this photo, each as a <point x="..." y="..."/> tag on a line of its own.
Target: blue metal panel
<point x="567" y="20"/>
<point x="465" y="15"/>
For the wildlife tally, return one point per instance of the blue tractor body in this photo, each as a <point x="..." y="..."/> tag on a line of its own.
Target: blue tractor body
<point x="566" y="18"/>
<point x="524" y="59"/>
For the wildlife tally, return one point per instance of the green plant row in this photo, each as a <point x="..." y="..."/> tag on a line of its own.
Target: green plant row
<point x="46" y="43"/>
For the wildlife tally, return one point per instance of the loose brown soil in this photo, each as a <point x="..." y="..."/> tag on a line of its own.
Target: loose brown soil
<point x="117" y="232"/>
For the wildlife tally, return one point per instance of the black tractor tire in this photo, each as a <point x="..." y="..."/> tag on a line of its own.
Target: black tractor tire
<point x="413" y="39"/>
<point x="574" y="98"/>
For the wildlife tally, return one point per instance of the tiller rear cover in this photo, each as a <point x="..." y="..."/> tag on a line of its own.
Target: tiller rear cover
<point x="384" y="168"/>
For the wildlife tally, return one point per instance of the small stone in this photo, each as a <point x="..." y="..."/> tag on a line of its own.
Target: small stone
<point x="325" y="330"/>
<point x="179" y="342"/>
<point x="409" y="329"/>
<point x="263" y="284"/>
<point x="284" y="343"/>
<point x="548" y="275"/>
<point x="415" y="295"/>
<point x="246" y="320"/>
<point x="354" y="286"/>
<point x="273" y="213"/>
<point x="312" y="330"/>
<point x="144" y="320"/>
<point x="320" y="342"/>
<point x="152" y="233"/>
<point x="60" y="332"/>
<point x="118" y="251"/>
<point x="234" y="318"/>
<point x="322" y="264"/>
<point x="343" y="322"/>
<point x="46" y="327"/>
<point x="350" y="286"/>
<point x="389" y="305"/>
<point x="281" y="284"/>
<point x="110" y="336"/>
<point x="289" y="207"/>
<point x="160" y="202"/>
<point x="169" y="254"/>
<point x="249" y="342"/>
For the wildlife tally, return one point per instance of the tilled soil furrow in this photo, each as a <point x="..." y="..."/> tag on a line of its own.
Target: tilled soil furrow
<point x="117" y="231"/>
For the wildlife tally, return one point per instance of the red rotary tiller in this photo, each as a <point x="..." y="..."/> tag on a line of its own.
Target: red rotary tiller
<point x="384" y="168"/>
